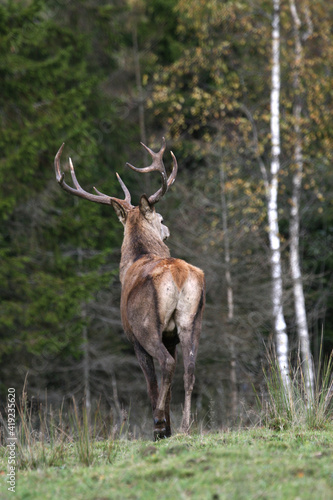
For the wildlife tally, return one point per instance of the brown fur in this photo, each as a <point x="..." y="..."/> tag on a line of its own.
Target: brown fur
<point x="162" y="302"/>
<point x="179" y="272"/>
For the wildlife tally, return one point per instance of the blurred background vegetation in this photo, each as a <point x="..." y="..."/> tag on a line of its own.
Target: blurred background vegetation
<point x="101" y="76"/>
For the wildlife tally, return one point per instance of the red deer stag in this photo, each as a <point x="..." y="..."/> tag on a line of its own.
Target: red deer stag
<point x="162" y="298"/>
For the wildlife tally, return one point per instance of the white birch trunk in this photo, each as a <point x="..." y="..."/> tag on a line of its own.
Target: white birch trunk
<point x="295" y="266"/>
<point x="272" y="195"/>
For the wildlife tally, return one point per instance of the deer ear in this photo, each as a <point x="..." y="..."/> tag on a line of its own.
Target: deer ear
<point x="120" y="211"/>
<point x="145" y="207"/>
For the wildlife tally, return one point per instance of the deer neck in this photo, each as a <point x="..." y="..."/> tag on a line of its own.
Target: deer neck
<point x="140" y="243"/>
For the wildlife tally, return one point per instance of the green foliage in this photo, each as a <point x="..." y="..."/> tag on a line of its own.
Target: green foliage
<point x="55" y="252"/>
<point x="162" y="14"/>
<point x="41" y="100"/>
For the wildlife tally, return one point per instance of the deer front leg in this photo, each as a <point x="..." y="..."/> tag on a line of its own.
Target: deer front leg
<point x="146" y="348"/>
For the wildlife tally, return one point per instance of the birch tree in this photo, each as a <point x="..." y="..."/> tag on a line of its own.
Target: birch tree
<point x="280" y="328"/>
<point x="295" y="265"/>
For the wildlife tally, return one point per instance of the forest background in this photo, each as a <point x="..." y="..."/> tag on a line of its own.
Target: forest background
<point x="101" y="76"/>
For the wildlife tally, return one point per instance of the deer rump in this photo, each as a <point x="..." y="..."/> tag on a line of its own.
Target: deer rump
<point x="161" y="296"/>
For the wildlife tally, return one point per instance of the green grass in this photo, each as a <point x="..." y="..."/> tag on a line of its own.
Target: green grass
<point x="296" y="407"/>
<point x="67" y="455"/>
<point x="246" y="464"/>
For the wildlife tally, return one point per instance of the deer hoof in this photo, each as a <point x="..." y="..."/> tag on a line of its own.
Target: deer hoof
<point x="160" y="430"/>
<point x="160" y="434"/>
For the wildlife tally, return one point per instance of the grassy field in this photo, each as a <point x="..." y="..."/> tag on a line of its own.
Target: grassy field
<point x="245" y="464"/>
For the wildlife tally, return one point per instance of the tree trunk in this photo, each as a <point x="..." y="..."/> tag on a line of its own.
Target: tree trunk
<point x="85" y="349"/>
<point x="141" y="107"/>
<point x="86" y="367"/>
<point x="272" y="194"/>
<point x="295" y="266"/>
<point x="230" y="295"/>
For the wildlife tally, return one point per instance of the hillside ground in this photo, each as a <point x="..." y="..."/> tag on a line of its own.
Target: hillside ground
<point x="245" y="464"/>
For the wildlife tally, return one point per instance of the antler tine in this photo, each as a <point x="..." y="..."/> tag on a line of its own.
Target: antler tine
<point x="59" y="175"/>
<point x="158" y="165"/>
<point x="78" y="191"/>
<point x="173" y="175"/>
<point x="74" y="179"/>
<point x="157" y="160"/>
<point x="124" y="188"/>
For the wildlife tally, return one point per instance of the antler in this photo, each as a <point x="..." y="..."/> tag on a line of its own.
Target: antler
<point x="78" y="191"/>
<point x="158" y="165"/>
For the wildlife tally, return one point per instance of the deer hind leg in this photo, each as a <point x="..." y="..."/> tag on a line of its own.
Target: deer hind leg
<point x="189" y="334"/>
<point x="189" y="349"/>
<point x="171" y="345"/>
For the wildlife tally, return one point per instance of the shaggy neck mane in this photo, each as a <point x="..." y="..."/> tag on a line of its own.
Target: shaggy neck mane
<point x="141" y="241"/>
